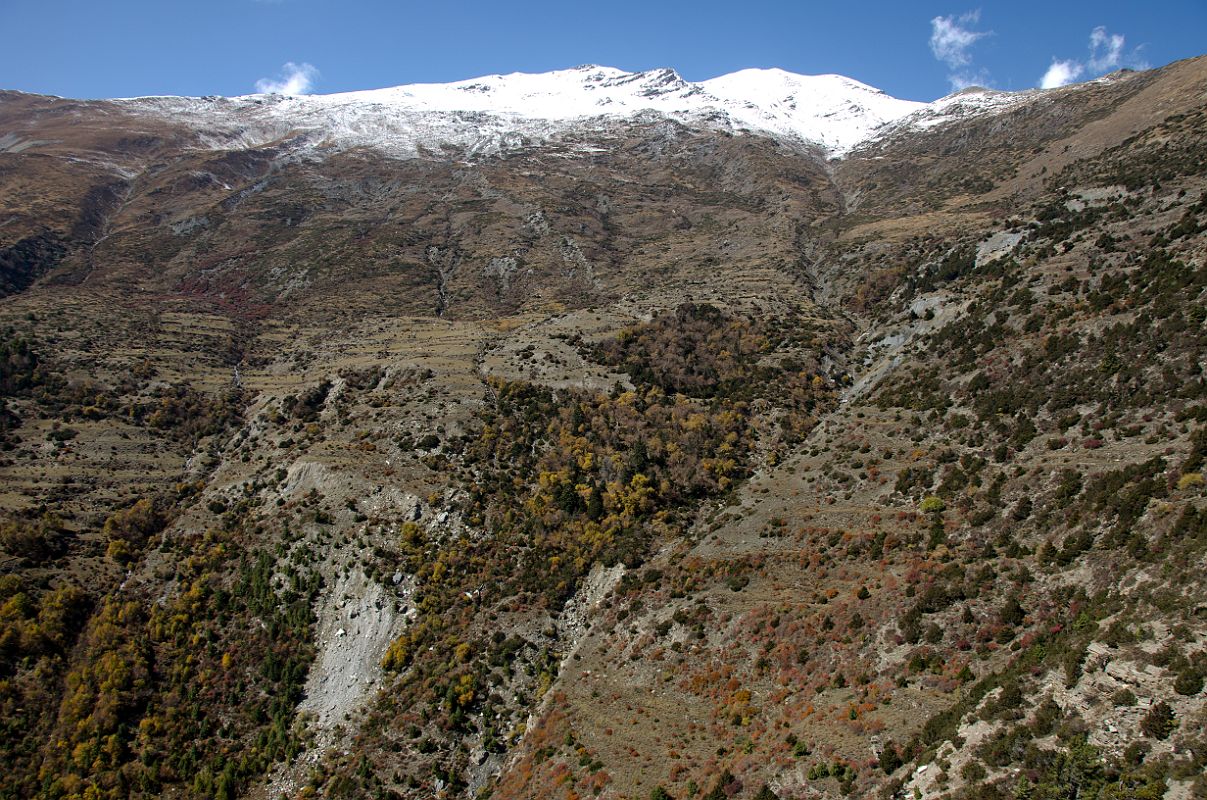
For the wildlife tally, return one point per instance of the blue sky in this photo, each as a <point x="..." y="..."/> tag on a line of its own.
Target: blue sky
<point x="915" y="50"/>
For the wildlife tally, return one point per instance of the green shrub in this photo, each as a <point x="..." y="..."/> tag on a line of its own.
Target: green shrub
<point x="932" y="505"/>
<point x="1159" y="722"/>
<point x="1189" y="682"/>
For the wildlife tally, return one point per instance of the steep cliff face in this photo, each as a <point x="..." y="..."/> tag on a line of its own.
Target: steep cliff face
<point x="760" y="435"/>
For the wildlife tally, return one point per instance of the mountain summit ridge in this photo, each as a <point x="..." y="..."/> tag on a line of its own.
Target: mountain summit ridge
<point x="579" y="107"/>
<point x="830" y="111"/>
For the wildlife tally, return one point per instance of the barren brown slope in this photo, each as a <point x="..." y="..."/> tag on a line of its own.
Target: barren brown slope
<point x="695" y="463"/>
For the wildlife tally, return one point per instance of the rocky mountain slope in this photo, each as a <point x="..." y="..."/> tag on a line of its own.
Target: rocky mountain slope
<point x="432" y="441"/>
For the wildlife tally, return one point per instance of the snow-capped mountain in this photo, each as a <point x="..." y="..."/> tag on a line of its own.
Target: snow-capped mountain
<point x="500" y="111"/>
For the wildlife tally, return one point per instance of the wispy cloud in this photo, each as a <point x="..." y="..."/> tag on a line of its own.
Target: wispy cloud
<point x="1106" y="53"/>
<point x="294" y="79"/>
<point x="951" y="41"/>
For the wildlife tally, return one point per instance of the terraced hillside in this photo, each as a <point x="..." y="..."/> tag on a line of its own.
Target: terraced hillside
<point x="672" y="463"/>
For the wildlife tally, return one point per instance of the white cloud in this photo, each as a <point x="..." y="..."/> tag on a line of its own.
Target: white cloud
<point x="294" y="79"/>
<point x="1061" y="73"/>
<point x="965" y="78"/>
<point x="1106" y="53"/>
<point x="951" y="39"/>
